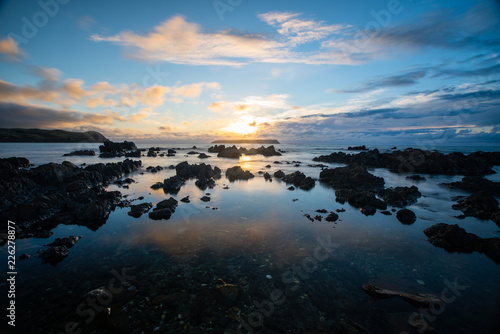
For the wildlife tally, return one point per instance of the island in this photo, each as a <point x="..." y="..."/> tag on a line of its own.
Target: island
<point x="246" y="141"/>
<point x="49" y="136"/>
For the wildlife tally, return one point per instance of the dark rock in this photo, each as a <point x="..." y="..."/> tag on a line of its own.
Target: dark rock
<point x="420" y="161"/>
<point x="352" y="177"/>
<point x="332" y="217"/>
<point x="318" y="218"/>
<point x="268" y="166"/>
<point x="406" y="216"/>
<point x="58" y="250"/>
<point x="237" y="173"/>
<point x="205" y="199"/>
<point x="322" y="211"/>
<point x="157" y="185"/>
<point x="185" y="199"/>
<point x="193" y="152"/>
<point x="387" y="213"/>
<point x="204" y="183"/>
<point x="67" y="242"/>
<point x="359" y="198"/>
<point x="307" y="184"/>
<point x="164" y="209"/>
<point x="416" y="177"/>
<point x="480" y="205"/>
<point x="308" y="216"/>
<point x="187" y="171"/>
<point x="357" y="148"/>
<point x="476" y="184"/>
<point x="267" y="176"/>
<point x="368" y="210"/>
<point x="138" y="210"/>
<point x="231" y="152"/>
<point x="24" y="256"/>
<point x="203" y="156"/>
<point x="279" y="174"/>
<point x="110" y="149"/>
<point x="419" y="300"/>
<point x="400" y="196"/>
<point x="80" y="152"/>
<point x="291" y="188"/>
<point x="171" y="151"/>
<point x="234" y="152"/>
<point x="133" y="154"/>
<point x="456" y="239"/>
<point x="173" y="184"/>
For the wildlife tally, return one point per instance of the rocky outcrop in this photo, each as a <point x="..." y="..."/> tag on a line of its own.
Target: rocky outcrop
<point x="138" y="210"/>
<point x="40" y="198"/>
<point x="234" y="152"/>
<point x="420" y="161"/>
<point x="406" y="216"/>
<point x="111" y="149"/>
<point x="400" y="196"/>
<point x="279" y="174"/>
<point x="203" y="156"/>
<point x="357" y="148"/>
<point x="453" y="238"/>
<point x="173" y="184"/>
<point x="164" y="209"/>
<point x="58" y="250"/>
<point x="476" y="184"/>
<point x="353" y="176"/>
<point x="359" y="198"/>
<point x="187" y="171"/>
<point x="231" y="152"/>
<point x="80" y="152"/>
<point x="237" y="173"/>
<point x="480" y="205"/>
<point x="298" y="179"/>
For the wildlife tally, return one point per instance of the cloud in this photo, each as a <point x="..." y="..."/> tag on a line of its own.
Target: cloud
<point x="195" y="90"/>
<point x="86" y="22"/>
<point x="406" y="79"/>
<point x="9" y="50"/>
<point x="47" y="74"/>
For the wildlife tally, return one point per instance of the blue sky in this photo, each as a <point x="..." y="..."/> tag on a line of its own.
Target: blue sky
<point x="335" y="71"/>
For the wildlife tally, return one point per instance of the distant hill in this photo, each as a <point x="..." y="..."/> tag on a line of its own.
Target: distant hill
<point x="49" y="136"/>
<point x="246" y="141"/>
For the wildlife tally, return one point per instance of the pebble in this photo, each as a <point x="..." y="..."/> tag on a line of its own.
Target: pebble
<point x="269" y="277"/>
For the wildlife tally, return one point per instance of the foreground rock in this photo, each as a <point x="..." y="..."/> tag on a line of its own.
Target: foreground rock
<point x="298" y="179"/>
<point x="353" y="176"/>
<point x="58" y="250"/>
<point x="164" y="209"/>
<point x="419" y="300"/>
<point x="420" y="161"/>
<point x="173" y="184"/>
<point x="40" y="198"/>
<point x="138" y="210"/>
<point x="81" y="152"/>
<point x="237" y="173"/>
<point x="453" y="238"/>
<point x="111" y="149"/>
<point x="400" y="196"/>
<point x="234" y="152"/>
<point x="480" y="205"/>
<point x="406" y="216"/>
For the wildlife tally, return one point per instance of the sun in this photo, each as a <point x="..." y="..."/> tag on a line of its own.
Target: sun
<point x="241" y="127"/>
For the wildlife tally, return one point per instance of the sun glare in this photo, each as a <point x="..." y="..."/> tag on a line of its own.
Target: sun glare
<point x="242" y="128"/>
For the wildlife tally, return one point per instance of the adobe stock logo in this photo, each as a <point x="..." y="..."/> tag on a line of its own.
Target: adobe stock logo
<point x="30" y="26"/>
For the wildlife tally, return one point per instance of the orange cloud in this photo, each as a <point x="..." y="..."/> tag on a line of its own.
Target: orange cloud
<point x="9" y="49"/>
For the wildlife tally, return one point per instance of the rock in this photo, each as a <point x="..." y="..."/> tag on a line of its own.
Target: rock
<point x="416" y="177"/>
<point x="419" y="300"/>
<point x="359" y="198"/>
<point x="193" y="152"/>
<point x="267" y="176"/>
<point x="279" y="174"/>
<point x="203" y="156"/>
<point x="187" y="171"/>
<point x="54" y="255"/>
<point x="307" y="184"/>
<point x="268" y="166"/>
<point x="171" y="151"/>
<point x="133" y="154"/>
<point x="232" y="153"/>
<point x="291" y="188"/>
<point x="322" y="211"/>
<point x="357" y="148"/>
<point x="173" y="184"/>
<point x="456" y="239"/>
<point x="157" y="186"/>
<point x="406" y="216"/>
<point x="138" y="210"/>
<point x="237" y="173"/>
<point x="476" y="184"/>
<point x="24" y="256"/>
<point x="164" y="209"/>
<point x="185" y="200"/>
<point x="353" y="176"/>
<point x="110" y="149"/>
<point x="67" y="242"/>
<point x="299" y="180"/>
<point x="387" y="213"/>
<point x="368" y="210"/>
<point x="332" y="217"/>
<point x="204" y="183"/>
<point x="14" y="163"/>
<point x="400" y="196"/>
<point x="80" y="152"/>
<point x="205" y="199"/>
<point x="480" y="205"/>
<point x="420" y="161"/>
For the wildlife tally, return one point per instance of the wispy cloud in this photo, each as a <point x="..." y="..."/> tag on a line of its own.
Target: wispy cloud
<point x="406" y="79"/>
<point x="9" y="50"/>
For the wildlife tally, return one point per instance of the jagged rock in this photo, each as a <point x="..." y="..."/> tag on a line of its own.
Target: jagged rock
<point x="14" y="163"/>
<point x="58" y="250"/>
<point x="186" y="171"/>
<point x="400" y="196"/>
<point x="279" y="174"/>
<point x="368" y="210"/>
<point x="164" y="209"/>
<point x="231" y="152"/>
<point x="453" y="238"/>
<point x="138" y="210"/>
<point x="157" y="186"/>
<point x="111" y="149"/>
<point x="267" y="176"/>
<point x="185" y="199"/>
<point x="173" y="184"/>
<point x="307" y="184"/>
<point x="359" y="198"/>
<point x="204" y="183"/>
<point x="205" y="199"/>
<point x="406" y="216"/>
<point x="353" y="176"/>
<point x="203" y="156"/>
<point x="476" y="184"/>
<point x="237" y="173"/>
<point x="133" y="154"/>
<point x="480" y="205"/>
<point x="80" y="152"/>
<point x="332" y="217"/>
<point x="357" y="148"/>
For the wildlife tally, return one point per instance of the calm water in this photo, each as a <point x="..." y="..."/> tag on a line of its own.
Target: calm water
<point x="255" y="235"/>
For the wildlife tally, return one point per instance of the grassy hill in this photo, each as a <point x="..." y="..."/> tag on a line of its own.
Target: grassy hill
<point x="49" y="136"/>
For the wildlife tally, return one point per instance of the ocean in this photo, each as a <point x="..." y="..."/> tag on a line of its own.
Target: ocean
<point x="254" y="236"/>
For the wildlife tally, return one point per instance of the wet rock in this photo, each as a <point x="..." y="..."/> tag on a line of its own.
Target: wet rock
<point x="419" y="161"/>
<point x="268" y="166"/>
<point x="193" y="152"/>
<point x="357" y="148"/>
<point x="307" y="184"/>
<point x="267" y="176"/>
<point x="299" y="180"/>
<point x="203" y="156"/>
<point x="24" y="256"/>
<point x="359" y="198"/>
<point x="171" y="151"/>
<point x="416" y="177"/>
<point x="204" y="183"/>
<point x="80" y="153"/>
<point x="133" y="154"/>
<point x="419" y="300"/>
<point x="67" y="242"/>
<point x="353" y="176"/>
<point x="400" y="196"/>
<point x="480" y="205"/>
<point x="173" y="184"/>
<point x="205" y="199"/>
<point x="237" y="173"/>
<point x="387" y="213"/>
<point x="291" y="188"/>
<point x="231" y="152"/>
<point x="164" y="209"/>
<point x="157" y="186"/>
<point x="308" y="216"/>
<point x="14" y="163"/>
<point x="406" y="216"/>
<point x="322" y="211"/>
<point x="111" y="149"/>
<point x="185" y="199"/>
<point x="234" y="152"/>
<point x="476" y="184"/>
<point x="138" y="210"/>
<point x="187" y="171"/>
<point x="58" y="250"/>
<point x="368" y="210"/>
<point x="453" y="238"/>
<point x="279" y="174"/>
<point x="332" y="217"/>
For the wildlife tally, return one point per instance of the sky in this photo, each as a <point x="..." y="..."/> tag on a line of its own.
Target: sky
<point x="358" y="72"/>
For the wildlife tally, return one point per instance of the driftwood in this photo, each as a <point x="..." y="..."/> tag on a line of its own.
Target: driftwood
<point x="419" y="300"/>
